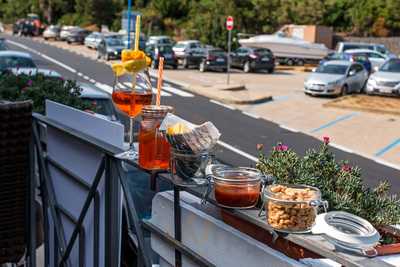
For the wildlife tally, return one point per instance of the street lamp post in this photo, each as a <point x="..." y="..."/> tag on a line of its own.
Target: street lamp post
<point x="129" y="23"/>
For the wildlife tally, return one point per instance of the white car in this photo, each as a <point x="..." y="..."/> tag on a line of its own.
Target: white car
<point x="159" y="39"/>
<point x="52" y="32"/>
<point x="336" y="77"/>
<point x="376" y="58"/>
<point x="386" y="81"/>
<point x="182" y="48"/>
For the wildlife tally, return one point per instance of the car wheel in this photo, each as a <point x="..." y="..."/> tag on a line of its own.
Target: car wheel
<point x="362" y="89"/>
<point x="246" y="67"/>
<point x="98" y="56"/>
<point x="300" y="62"/>
<point x="107" y="57"/>
<point x="271" y="70"/>
<point x="185" y="63"/>
<point x="202" y="67"/>
<point x="174" y="67"/>
<point x="45" y="38"/>
<point x="290" y="62"/>
<point x="345" y="90"/>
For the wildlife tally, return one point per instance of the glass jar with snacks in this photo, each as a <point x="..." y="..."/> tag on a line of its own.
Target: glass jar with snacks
<point x="292" y="208"/>
<point x="235" y="187"/>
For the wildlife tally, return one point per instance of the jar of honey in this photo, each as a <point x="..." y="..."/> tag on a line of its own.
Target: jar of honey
<point x="154" y="149"/>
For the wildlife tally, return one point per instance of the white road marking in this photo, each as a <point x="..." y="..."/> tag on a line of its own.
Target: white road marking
<point x="162" y="92"/>
<point x="222" y="104"/>
<point x="237" y="151"/>
<point x="92" y="81"/>
<point x="288" y="128"/>
<point x="254" y="116"/>
<point x="177" y="91"/>
<point x="341" y="148"/>
<point x="86" y="77"/>
<point x="80" y="74"/>
<point x="142" y="85"/>
<point x="44" y="56"/>
<point x="104" y="87"/>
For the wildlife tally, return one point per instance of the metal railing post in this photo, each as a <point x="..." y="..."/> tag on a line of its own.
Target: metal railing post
<point x="31" y="228"/>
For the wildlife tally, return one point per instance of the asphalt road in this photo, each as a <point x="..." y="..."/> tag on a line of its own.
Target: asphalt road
<point x="240" y="132"/>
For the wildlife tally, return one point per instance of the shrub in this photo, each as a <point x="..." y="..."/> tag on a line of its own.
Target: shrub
<point x="39" y="88"/>
<point x="340" y="184"/>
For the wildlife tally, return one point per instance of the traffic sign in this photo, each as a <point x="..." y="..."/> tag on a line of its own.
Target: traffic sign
<point x="229" y="23"/>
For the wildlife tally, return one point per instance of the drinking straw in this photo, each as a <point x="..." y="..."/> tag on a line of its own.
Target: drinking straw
<point x="159" y="81"/>
<point x="137" y="32"/>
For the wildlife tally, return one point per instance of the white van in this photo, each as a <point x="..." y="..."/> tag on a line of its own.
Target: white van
<point x="343" y="46"/>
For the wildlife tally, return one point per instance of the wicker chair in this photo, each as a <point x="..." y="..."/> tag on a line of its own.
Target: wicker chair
<point x="15" y="135"/>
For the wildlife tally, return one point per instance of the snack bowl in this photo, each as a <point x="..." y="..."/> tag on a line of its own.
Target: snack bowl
<point x="189" y="169"/>
<point x="292" y="208"/>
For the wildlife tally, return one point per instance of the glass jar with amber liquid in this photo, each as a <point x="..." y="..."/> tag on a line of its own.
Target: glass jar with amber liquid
<point x="154" y="149"/>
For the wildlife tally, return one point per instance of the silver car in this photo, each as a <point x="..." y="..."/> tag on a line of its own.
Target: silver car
<point x="386" y="81"/>
<point x="93" y="40"/>
<point x="336" y="78"/>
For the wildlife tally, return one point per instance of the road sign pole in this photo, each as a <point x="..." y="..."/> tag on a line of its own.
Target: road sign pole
<point x="228" y="69"/>
<point x="129" y="23"/>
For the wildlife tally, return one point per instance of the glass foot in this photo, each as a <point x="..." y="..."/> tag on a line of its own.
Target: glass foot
<point x="129" y="155"/>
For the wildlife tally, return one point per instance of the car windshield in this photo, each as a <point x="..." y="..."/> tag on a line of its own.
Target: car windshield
<point x="332" y="69"/>
<point x="114" y="41"/>
<point x="391" y="66"/>
<point x="7" y="62"/>
<point x="218" y="53"/>
<point x="165" y="49"/>
<point x="263" y="52"/>
<point x="180" y="45"/>
<point x="382" y="50"/>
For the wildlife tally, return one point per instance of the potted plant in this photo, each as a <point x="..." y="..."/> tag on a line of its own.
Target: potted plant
<point x="340" y="183"/>
<point x="38" y="88"/>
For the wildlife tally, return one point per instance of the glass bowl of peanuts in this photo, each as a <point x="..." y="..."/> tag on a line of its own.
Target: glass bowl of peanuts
<point x="292" y="208"/>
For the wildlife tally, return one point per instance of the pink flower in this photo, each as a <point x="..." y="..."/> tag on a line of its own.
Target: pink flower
<point x="326" y="140"/>
<point x="29" y="83"/>
<point x="346" y="168"/>
<point x="260" y="146"/>
<point x="281" y="148"/>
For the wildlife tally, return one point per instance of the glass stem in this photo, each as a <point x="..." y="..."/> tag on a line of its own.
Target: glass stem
<point x="130" y="132"/>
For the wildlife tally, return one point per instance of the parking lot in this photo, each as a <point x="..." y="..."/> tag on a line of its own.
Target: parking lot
<point x="372" y="135"/>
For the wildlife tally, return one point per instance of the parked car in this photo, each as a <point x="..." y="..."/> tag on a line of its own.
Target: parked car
<point x="155" y="51"/>
<point x="142" y="41"/>
<point x="386" y="80"/>
<point x="1" y="27"/>
<point x="253" y="59"/>
<point x="22" y="63"/>
<point x="184" y="49"/>
<point x="159" y="40"/>
<point x="337" y="77"/>
<point x="15" y="60"/>
<point x="100" y="99"/>
<point x="376" y="58"/>
<point x="93" y="40"/>
<point x="3" y="45"/>
<point x="110" y="47"/>
<point x="66" y="31"/>
<point x="24" y="27"/>
<point x="361" y="58"/>
<point x="52" y="32"/>
<point x="344" y="46"/>
<point x="213" y="59"/>
<point x="77" y="36"/>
